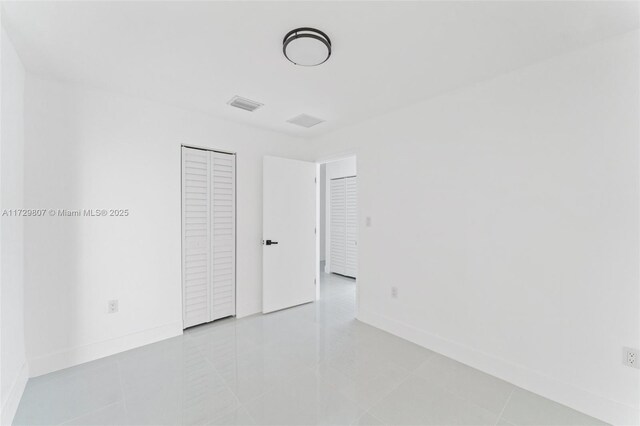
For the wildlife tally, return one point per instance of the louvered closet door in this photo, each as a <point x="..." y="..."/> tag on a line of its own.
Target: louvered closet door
<point x="208" y="236"/>
<point x="196" y="241"/>
<point x="337" y="248"/>
<point x="223" y="236"/>
<point x="351" y="224"/>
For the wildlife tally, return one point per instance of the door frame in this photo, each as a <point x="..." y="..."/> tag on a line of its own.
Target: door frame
<point x="235" y="222"/>
<point x="319" y="162"/>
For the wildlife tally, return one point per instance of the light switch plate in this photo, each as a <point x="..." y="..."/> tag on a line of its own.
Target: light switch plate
<point x="630" y="357"/>
<point x="112" y="307"/>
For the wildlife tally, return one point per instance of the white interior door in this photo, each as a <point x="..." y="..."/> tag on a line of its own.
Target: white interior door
<point x="288" y="251"/>
<point x="208" y="236"/>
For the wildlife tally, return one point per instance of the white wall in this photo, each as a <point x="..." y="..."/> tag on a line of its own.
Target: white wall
<point x="13" y="371"/>
<point x="334" y="170"/>
<point x="507" y="215"/>
<point x="92" y="149"/>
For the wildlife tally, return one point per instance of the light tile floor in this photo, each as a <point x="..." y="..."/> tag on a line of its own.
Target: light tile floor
<point x="313" y="364"/>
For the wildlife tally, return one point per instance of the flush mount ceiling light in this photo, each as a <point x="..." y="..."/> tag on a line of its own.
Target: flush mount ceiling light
<point x="306" y="46"/>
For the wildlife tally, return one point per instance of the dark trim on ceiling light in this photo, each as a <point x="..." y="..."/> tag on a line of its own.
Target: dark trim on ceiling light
<point x="306" y="32"/>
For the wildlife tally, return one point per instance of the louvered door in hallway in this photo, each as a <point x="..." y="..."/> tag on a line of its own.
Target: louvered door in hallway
<point x="343" y="248"/>
<point x="208" y="236"/>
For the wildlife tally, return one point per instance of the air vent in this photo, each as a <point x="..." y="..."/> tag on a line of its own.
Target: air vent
<point x="305" y="120"/>
<point x="245" y="104"/>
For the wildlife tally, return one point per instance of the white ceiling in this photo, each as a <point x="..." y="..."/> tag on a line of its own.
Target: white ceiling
<point x="197" y="55"/>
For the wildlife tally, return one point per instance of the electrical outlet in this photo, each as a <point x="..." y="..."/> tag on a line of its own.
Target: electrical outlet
<point x="112" y="307"/>
<point x="394" y="292"/>
<point x="368" y="221"/>
<point x="630" y="357"/>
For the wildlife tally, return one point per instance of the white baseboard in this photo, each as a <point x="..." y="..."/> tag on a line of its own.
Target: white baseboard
<point x="10" y="405"/>
<point x="579" y="399"/>
<point x="81" y="354"/>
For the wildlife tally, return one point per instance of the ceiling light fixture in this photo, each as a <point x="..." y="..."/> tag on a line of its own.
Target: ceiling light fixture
<point x="306" y="46"/>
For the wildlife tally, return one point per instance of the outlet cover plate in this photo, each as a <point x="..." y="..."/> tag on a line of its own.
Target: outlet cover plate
<point x="112" y="307"/>
<point x="630" y="357"/>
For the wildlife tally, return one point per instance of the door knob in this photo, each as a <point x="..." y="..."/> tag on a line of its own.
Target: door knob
<point x="269" y="242"/>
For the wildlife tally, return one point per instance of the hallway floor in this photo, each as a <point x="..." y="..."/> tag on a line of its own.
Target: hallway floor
<point x="313" y="364"/>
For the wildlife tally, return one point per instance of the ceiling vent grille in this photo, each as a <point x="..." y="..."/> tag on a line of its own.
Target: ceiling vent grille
<point x="305" y="120"/>
<point x="244" y="103"/>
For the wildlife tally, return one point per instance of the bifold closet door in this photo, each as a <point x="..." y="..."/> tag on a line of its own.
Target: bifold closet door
<point x="351" y="226"/>
<point x="344" y="226"/>
<point x="223" y="235"/>
<point x="196" y="237"/>
<point x="208" y="236"/>
<point x="337" y="217"/>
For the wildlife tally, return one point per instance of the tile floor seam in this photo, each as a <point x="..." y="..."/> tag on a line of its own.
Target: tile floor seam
<point x="224" y="382"/>
<point x="121" y="400"/>
<point x="121" y="381"/>
<point x="450" y="393"/>
<point x="445" y="389"/>
<point x="66" y="422"/>
<point x="470" y="402"/>
<point x="249" y="414"/>
<point x="253" y="398"/>
<point x="393" y="389"/>
<point x="200" y="351"/>
<point x="504" y="407"/>
<point x="376" y="417"/>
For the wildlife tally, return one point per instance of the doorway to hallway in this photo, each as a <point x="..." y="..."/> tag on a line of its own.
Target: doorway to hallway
<point x="338" y="229"/>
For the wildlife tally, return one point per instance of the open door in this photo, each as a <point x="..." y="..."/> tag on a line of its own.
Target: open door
<point x="288" y="250"/>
